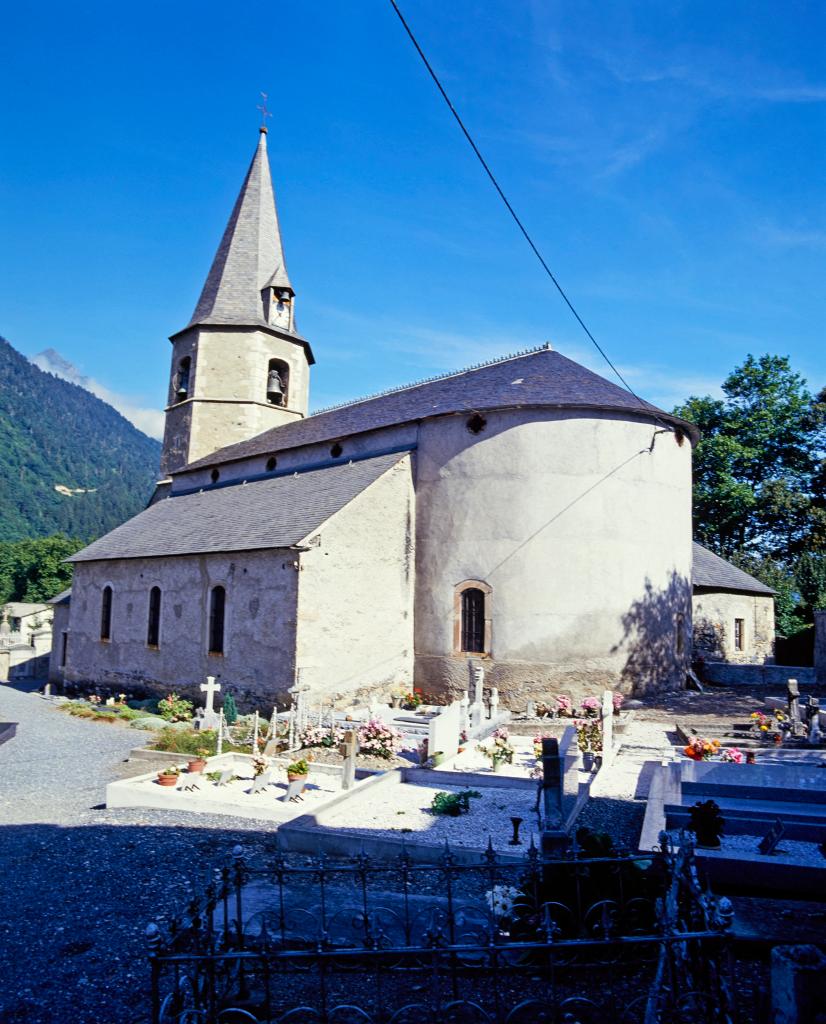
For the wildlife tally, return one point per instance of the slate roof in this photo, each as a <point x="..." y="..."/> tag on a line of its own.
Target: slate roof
<point x="64" y="597"/>
<point x="273" y="513"/>
<point x="541" y="378"/>
<point x="250" y="256"/>
<point x="709" y="570"/>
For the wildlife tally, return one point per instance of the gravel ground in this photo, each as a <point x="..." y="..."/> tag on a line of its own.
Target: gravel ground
<point x="80" y="882"/>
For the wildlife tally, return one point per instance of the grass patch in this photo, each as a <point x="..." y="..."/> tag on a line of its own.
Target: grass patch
<point x="188" y="741"/>
<point x="103" y="713"/>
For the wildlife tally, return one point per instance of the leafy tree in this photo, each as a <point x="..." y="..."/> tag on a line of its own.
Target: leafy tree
<point x="758" y="469"/>
<point x="34" y="569"/>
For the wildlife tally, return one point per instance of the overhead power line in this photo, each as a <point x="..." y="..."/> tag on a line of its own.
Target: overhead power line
<point x="513" y="212"/>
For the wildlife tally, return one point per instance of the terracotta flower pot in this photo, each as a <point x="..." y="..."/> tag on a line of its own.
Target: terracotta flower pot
<point x="294" y="777"/>
<point x="167" y="780"/>
<point x="196" y="765"/>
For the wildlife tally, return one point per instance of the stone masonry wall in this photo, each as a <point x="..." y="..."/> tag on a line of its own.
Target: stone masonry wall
<point x="714" y="615"/>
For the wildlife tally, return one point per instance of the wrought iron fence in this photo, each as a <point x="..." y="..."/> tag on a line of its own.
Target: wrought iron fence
<point x="574" y="938"/>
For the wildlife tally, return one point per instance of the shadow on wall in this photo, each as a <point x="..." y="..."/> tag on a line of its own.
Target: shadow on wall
<point x="709" y="640"/>
<point x="657" y="638"/>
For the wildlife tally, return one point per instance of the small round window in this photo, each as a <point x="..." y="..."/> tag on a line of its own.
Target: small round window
<point x="272" y="462"/>
<point x="336" y="450"/>
<point x="476" y="424"/>
<point x="214" y="476"/>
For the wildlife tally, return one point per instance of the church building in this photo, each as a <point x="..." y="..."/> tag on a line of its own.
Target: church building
<point x="526" y="514"/>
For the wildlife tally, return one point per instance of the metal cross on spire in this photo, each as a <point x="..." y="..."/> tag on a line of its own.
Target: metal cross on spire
<point x="262" y="106"/>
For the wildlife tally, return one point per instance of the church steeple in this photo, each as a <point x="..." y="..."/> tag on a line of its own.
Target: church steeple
<point x="248" y="278"/>
<point x="239" y="367"/>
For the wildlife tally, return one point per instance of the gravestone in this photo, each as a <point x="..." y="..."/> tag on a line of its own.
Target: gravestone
<point x="770" y="840"/>
<point x="260" y="783"/>
<point x="793" y="699"/>
<point x="294" y="790"/>
<point x="464" y="717"/>
<point x="554" y="838"/>
<point x="530" y="710"/>
<point x="210" y="717"/>
<point x="607" y="727"/>
<point x="348" y="748"/>
<point x="188" y="783"/>
<point x="477" y="708"/>
<point x="227" y="775"/>
<point x="444" y="729"/>
<point x="494" y="703"/>
<point x="813" y="721"/>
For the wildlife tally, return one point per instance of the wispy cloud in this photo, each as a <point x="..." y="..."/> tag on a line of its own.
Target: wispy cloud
<point x="786" y="236"/>
<point x="150" y="421"/>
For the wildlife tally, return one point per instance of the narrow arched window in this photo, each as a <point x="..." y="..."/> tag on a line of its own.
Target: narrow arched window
<point x="106" y="614"/>
<point x="473" y="621"/>
<point x="153" y="629"/>
<point x="217" y="604"/>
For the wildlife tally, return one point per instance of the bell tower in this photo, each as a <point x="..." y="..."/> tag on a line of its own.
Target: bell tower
<point x="239" y="367"/>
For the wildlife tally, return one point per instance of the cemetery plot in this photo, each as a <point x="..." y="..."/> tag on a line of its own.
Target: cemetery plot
<point x="228" y="786"/>
<point x="774" y="819"/>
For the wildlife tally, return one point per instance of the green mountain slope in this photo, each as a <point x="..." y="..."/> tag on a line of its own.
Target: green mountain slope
<point x="55" y="434"/>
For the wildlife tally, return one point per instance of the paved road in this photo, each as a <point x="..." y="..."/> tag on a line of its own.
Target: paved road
<point x="80" y="883"/>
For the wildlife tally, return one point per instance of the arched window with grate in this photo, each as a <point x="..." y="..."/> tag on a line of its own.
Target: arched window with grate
<point x="106" y="614"/>
<point x="472" y="626"/>
<point x="217" y="607"/>
<point x="153" y="629"/>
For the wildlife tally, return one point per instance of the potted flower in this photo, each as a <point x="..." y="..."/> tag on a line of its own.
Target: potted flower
<point x="198" y="763"/>
<point x="707" y="823"/>
<point x="590" y="707"/>
<point x="298" y="770"/>
<point x="168" y="776"/>
<point x="564" y="706"/>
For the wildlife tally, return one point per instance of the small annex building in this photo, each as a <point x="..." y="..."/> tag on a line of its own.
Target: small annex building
<point x="733" y="612"/>
<point x="526" y="513"/>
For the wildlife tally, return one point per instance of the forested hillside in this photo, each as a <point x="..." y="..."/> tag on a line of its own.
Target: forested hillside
<point x="54" y="434"/>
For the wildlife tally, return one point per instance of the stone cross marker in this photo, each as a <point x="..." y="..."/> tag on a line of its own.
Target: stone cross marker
<point x="348" y="749"/>
<point x="494" y="702"/>
<point x="210" y="717"/>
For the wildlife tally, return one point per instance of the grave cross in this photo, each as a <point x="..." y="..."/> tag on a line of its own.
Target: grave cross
<point x="813" y="721"/>
<point x="553" y="835"/>
<point x="348" y="749"/>
<point x="209" y="719"/>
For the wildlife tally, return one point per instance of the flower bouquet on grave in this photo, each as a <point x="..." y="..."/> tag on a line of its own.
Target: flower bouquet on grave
<point x="502" y="902"/>
<point x="379" y="739"/>
<point x="498" y="749"/>
<point x="618" y="700"/>
<point x="700" y="749"/>
<point x="412" y="699"/>
<point x="319" y="736"/>
<point x="564" y="706"/>
<point x="732" y="755"/>
<point x="259" y="766"/>
<point x="590" y="707"/>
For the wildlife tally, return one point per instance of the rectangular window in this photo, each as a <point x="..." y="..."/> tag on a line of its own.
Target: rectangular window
<point x="63" y="647"/>
<point x="739" y="634"/>
<point x="217" y="603"/>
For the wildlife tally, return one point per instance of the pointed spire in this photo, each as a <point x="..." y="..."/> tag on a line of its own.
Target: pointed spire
<point x="250" y="257"/>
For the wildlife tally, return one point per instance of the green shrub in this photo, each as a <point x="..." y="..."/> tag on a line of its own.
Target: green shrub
<point x="174" y="708"/>
<point x="453" y="804"/>
<point x="186" y="741"/>
<point x="298" y="768"/>
<point x="230" y="709"/>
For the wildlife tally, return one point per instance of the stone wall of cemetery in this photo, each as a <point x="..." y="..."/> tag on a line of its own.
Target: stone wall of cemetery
<point x="583" y="532"/>
<point x="258" y="660"/>
<point x="356" y="592"/>
<point x="715" y="612"/>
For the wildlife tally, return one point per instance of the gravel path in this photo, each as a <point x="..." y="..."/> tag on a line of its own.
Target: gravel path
<point x="80" y="882"/>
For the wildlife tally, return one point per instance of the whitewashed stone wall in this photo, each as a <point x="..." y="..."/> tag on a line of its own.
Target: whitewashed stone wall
<point x="714" y="615"/>
<point x="60" y="624"/>
<point x="356" y="592"/>
<point x="258" y="663"/>
<point x="584" y="536"/>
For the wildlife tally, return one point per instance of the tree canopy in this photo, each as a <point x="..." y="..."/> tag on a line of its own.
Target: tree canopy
<point x="34" y="570"/>
<point x="759" y="476"/>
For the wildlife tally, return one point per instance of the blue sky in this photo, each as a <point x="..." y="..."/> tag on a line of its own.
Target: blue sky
<point x="668" y="159"/>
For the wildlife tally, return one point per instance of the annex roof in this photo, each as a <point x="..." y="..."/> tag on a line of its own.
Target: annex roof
<point x="709" y="570"/>
<point x="274" y="513"/>
<point x="541" y="377"/>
